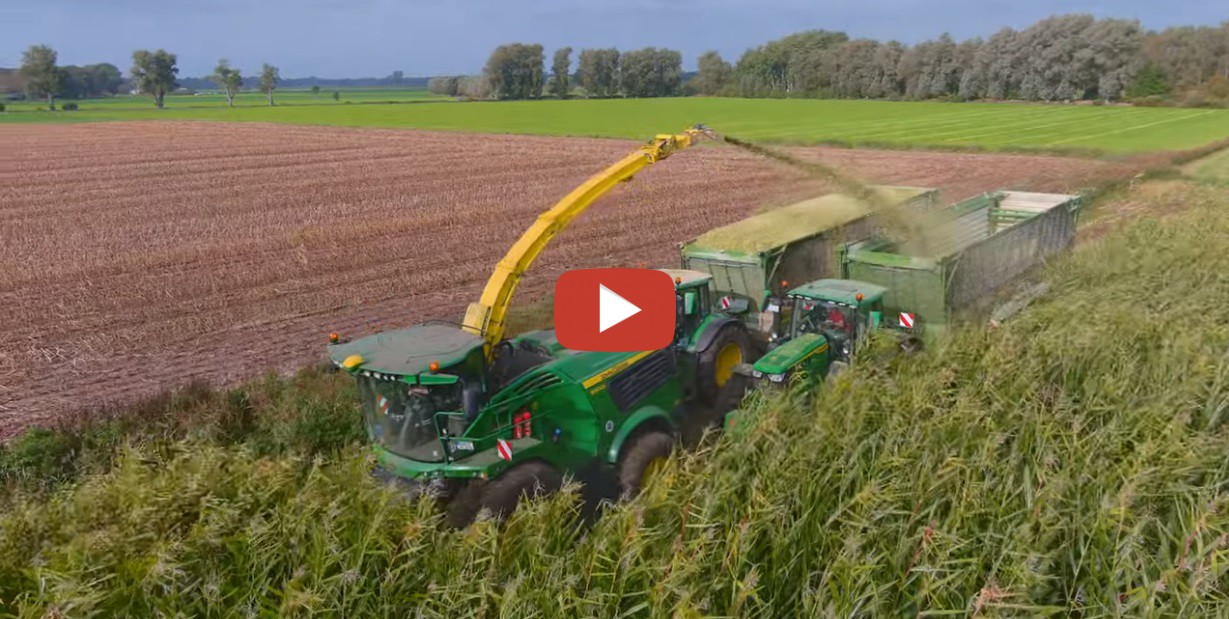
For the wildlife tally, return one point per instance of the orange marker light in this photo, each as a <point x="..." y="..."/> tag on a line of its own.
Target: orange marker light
<point x="434" y="366"/>
<point x="678" y="280"/>
<point x="858" y="297"/>
<point x="334" y="338"/>
<point x="784" y="283"/>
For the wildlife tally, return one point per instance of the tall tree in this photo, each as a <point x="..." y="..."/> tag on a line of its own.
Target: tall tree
<point x="515" y="71"/>
<point x="714" y="74"/>
<point x="560" y="66"/>
<point x="153" y="73"/>
<point x="229" y="79"/>
<point x="105" y="78"/>
<point x="43" y="77"/>
<point x="315" y="90"/>
<point x="598" y="72"/>
<point x="269" y="78"/>
<point x="650" y="72"/>
<point x="790" y="66"/>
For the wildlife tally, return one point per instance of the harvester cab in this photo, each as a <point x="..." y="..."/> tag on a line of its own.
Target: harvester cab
<point x="827" y="320"/>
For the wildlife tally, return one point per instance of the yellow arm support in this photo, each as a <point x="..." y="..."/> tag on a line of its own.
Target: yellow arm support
<point x="486" y="317"/>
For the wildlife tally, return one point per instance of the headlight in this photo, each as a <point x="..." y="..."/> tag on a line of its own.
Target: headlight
<point x="757" y="374"/>
<point x="776" y="378"/>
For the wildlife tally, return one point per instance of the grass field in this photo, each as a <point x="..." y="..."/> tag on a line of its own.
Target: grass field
<point x="877" y="123"/>
<point x="247" y="98"/>
<point x="1214" y="167"/>
<point x="1070" y="463"/>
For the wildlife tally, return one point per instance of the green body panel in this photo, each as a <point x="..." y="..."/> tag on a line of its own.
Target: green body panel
<point x="634" y="422"/>
<point x="809" y="351"/>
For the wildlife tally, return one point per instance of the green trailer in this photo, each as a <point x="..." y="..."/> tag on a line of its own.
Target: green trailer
<point x="754" y="261"/>
<point x="967" y="252"/>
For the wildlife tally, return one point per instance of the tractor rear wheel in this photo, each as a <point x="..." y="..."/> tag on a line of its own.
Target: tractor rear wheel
<point x="501" y="495"/>
<point x="715" y="376"/>
<point x="641" y="460"/>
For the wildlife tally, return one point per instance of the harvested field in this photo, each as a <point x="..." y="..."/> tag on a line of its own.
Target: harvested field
<point x="135" y="257"/>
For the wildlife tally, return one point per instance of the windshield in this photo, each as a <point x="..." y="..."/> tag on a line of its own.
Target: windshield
<point x="401" y="417"/>
<point x="812" y="316"/>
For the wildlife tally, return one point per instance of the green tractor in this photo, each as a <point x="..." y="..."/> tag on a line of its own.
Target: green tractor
<point x="484" y="435"/>
<point x="826" y="322"/>
<point x="483" y="421"/>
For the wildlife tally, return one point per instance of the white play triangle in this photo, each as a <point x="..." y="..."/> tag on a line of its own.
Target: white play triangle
<point x="612" y="309"/>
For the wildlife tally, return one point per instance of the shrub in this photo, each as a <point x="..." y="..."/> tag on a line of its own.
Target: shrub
<point x="69" y="107"/>
<point x="1" y="107"/>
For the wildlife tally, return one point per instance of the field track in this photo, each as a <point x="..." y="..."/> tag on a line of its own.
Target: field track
<point x="135" y="257"/>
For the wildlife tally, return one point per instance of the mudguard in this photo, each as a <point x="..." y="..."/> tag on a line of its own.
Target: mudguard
<point x="711" y="329"/>
<point x="647" y="414"/>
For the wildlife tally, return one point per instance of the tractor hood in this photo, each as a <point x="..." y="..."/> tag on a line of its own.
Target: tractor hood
<point x="409" y="352"/>
<point x="788" y="355"/>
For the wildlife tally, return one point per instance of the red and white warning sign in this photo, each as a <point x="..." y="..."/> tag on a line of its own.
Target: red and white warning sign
<point x="725" y="303"/>
<point x="383" y="404"/>
<point x="906" y="320"/>
<point x="504" y="449"/>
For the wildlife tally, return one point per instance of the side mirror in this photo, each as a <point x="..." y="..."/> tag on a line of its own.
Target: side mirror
<point x="689" y="303"/>
<point x="876" y="319"/>
<point x="471" y="401"/>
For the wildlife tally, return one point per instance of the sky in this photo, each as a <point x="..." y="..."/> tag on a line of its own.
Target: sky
<point x="358" y="38"/>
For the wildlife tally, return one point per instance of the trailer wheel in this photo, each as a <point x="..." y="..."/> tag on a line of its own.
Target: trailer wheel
<point x="642" y="459"/>
<point x="501" y="495"/>
<point x="715" y="376"/>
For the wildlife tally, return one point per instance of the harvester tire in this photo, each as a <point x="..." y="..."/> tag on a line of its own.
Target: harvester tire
<point x="640" y="458"/>
<point x="531" y="479"/>
<point x="716" y="382"/>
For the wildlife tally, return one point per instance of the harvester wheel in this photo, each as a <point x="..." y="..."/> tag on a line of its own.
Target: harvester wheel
<point x="641" y="459"/>
<point x="531" y="479"/>
<point x="715" y="375"/>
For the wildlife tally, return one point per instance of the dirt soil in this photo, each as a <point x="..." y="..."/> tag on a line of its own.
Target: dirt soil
<point x="137" y="257"/>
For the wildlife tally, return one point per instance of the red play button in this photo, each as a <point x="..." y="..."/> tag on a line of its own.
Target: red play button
<point x="614" y="310"/>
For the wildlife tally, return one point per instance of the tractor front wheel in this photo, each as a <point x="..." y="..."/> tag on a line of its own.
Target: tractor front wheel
<point x="501" y="495"/>
<point x="641" y="460"/>
<point x="715" y="370"/>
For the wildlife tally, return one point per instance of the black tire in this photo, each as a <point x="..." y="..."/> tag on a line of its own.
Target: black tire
<point x="707" y="386"/>
<point x="911" y="344"/>
<point x="501" y="495"/>
<point x="638" y="456"/>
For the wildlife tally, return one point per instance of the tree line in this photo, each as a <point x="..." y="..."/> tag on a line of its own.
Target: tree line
<point x="153" y="73"/>
<point x="517" y="71"/>
<point x="1064" y="57"/>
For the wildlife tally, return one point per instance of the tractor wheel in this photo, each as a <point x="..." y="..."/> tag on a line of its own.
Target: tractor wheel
<point x="911" y="344"/>
<point x="641" y="459"/>
<point x="715" y="377"/>
<point x="532" y="479"/>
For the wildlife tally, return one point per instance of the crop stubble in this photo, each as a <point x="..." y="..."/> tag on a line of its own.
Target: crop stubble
<point x="135" y="257"/>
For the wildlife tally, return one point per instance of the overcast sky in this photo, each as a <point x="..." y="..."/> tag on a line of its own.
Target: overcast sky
<point x="355" y="38"/>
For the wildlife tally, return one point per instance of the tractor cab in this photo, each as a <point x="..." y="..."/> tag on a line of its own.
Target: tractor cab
<point x="826" y="320"/>
<point x="843" y="311"/>
<point x="693" y="301"/>
<point x="406" y="377"/>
